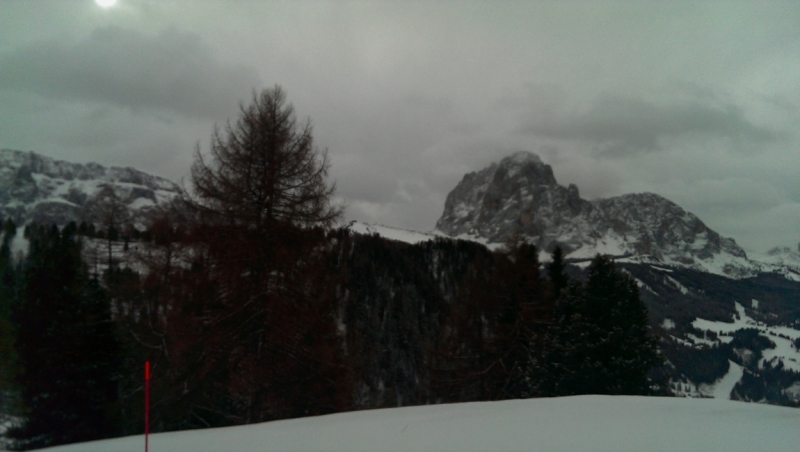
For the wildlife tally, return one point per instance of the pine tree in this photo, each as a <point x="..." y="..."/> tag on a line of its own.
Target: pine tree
<point x="66" y="346"/>
<point x="602" y="342"/>
<point x="8" y="286"/>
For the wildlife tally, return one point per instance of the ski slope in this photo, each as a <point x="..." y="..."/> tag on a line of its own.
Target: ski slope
<point x="568" y="424"/>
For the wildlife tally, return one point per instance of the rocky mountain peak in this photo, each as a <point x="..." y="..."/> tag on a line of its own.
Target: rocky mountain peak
<point x="526" y="166"/>
<point x="784" y="255"/>
<point x="37" y="188"/>
<point x="520" y="195"/>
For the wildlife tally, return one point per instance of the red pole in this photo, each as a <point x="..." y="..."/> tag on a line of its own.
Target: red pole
<point x="146" y="404"/>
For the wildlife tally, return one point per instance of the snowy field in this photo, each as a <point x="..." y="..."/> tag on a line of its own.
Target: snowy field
<point x="782" y="336"/>
<point x="569" y="424"/>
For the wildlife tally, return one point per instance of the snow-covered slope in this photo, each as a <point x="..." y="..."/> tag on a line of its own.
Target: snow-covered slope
<point x="568" y="424"/>
<point x="782" y="336"/>
<point x="392" y="233"/>
<point x="521" y="195"/>
<point x="41" y="189"/>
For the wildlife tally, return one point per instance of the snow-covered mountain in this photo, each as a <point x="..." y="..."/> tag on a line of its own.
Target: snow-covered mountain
<point x="520" y="195"/>
<point x="687" y="273"/>
<point x="782" y="255"/>
<point x="41" y="189"/>
<point x="728" y="322"/>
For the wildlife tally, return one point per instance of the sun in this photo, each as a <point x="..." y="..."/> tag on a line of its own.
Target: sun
<point x="106" y="3"/>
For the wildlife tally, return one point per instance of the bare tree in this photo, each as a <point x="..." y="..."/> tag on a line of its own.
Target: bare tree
<point x="264" y="170"/>
<point x="111" y="214"/>
<point x="254" y="203"/>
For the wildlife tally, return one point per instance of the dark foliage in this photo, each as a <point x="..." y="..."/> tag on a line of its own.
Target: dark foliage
<point x="9" y="284"/>
<point x="66" y="346"/>
<point x="767" y="384"/>
<point x="556" y="272"/>
<point x="703" y="365"/>
<point x="750" y="338"/>
<point x="602" y="343"/>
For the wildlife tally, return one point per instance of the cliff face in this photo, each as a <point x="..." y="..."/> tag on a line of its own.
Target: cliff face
<point x="520" y="195"/>
<point x="41" y="189"/>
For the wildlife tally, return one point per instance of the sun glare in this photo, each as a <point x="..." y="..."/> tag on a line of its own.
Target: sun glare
<point x="106" y="3"/>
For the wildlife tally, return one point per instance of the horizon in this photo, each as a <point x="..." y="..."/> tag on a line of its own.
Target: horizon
<point x="695" y="102"/>
<point x="756" y="255"/>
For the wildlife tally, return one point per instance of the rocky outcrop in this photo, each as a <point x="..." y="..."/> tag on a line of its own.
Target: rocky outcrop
<point x="40" y="189"/>
<point x="520" y="195"/>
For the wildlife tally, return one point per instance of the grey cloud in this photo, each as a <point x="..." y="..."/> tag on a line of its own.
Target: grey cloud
<point x="697" y="91"/>
<point x="621" y="125"/>
<point x="782" y="102"/>
<point x="172" y="71"/>
<point x="439" y="105"/>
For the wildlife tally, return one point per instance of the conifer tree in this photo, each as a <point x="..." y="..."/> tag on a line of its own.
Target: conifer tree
<point x="602" y="340"/>
<point x="66" y="346"/>
<point x="255" y="199"/>
<point x="8" y="286"/>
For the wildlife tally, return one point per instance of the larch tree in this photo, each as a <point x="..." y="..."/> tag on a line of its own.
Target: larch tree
<point x="555" y="272"/>
<point x="265" y="171"/>
<point x="253" y="201"/>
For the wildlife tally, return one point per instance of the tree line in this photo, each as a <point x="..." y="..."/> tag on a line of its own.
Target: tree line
<point x="253" y="307"/>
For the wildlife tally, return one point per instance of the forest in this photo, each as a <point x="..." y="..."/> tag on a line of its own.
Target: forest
<point x="252" y="305"/>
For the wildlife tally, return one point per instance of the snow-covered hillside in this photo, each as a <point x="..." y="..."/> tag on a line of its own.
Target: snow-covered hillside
<point x="392" y="233"/>
<point x="722" y="264"/>
<point x="568" y="424"/>
<point x="782" y="336"/>
<point x="37" y="188"/>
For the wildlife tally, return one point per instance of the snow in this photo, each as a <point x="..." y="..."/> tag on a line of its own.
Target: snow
<point x="6" y="422"/>
<point x="700" y="340"/>
<point x="793" y="390"/>
<point x="721" y="389"/>
<point x="610" y="245"/>
<point x="582" y="265"/>
<point x="678" y="285"/>
<point x="138" y="203"/>
<point x="790" y="275"/>
<point x="19" y="246"/>
<point x="582" y="423"/>
<point x="668" y="324"/>
<point x="784" y="349"/>
<point x="781" y="256"/>
<point x="392" y="233"/>
<point x="72" y="185"/>
<point x="413" y="237"/>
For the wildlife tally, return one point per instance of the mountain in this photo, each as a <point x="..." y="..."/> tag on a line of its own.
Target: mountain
<point x="41" y="189"/>
<point x="520" y="195"/>
<point x="729" y="325"/>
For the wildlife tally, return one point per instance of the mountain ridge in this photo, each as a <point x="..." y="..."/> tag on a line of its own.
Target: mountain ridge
<point x="681" y="286"/>
<point x="520" y="195"/>
<point x="37" y="188"/>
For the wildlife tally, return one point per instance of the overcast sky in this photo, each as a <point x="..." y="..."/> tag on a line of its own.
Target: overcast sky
<point x="698" y="101"/>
